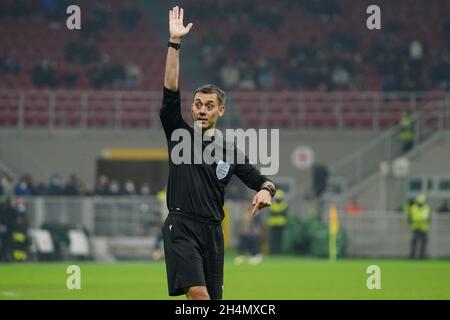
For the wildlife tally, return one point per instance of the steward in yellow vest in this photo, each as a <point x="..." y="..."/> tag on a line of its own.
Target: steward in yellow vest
<point x="406" y="132"/>
<point x="419" y="221"/>
<point x="277" y="221"/>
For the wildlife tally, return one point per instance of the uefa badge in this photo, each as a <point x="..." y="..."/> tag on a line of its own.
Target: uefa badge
<point x="222" y="169"/>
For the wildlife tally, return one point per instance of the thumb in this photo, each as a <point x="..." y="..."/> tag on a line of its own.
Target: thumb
<point x="189" y="26"/>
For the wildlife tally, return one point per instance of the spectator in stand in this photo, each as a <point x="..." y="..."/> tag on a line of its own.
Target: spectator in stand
<point x="145" y="189"/>
<point x="73" y="187"/>
<point x="247" y="79"/>
<point x="9" y="65"/>
<point x="114" y="188"/>
<point x="132" y="77"/>
<point x="21" y="189"/>
<point x="44" y="73"/>
<point x="39" y="188"/>
<point x="264" y="75"/>
<point x="129" y="188"/>
<point x="107" y="74"/>
<point x="102" y="186"/>
<point x="340" y="78"/>
<point x="229" y="75"/>
<point x="55" y="187"/>
<point x="30" y="184"/>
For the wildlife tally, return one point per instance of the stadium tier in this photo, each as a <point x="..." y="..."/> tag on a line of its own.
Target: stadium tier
<point x="334" y="75"/>
<point x="355" y="134"/>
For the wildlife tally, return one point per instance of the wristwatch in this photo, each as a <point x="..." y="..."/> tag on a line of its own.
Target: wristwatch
<point x="269" y="187"/>
<point x="174" y="45"/>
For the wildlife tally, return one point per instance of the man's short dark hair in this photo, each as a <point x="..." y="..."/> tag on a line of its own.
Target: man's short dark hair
<point x="210" y="88"/>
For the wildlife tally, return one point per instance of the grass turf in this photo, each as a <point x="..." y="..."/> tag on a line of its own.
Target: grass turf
<point x="276" y="278"/>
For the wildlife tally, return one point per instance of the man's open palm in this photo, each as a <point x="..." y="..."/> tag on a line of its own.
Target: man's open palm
<point x="176" y="28"/>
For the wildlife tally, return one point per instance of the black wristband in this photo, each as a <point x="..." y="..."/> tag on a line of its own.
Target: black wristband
<point x="268" y="188"/>
<point x="174" y="45"/>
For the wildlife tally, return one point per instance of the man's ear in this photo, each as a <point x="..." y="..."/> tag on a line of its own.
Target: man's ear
<point x="221" y="110"/>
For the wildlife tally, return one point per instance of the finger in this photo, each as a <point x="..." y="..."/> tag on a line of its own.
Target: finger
<point x="255" y="209"/>
<point x="181" y="14"/>
<point x="176" y="12"/>
<point x="170" y="15"/>
<point x="189" y="26"/>
<point x="255" y="200"/>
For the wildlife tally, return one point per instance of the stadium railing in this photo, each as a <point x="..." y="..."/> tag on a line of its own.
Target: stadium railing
<point x="25" y="109"/>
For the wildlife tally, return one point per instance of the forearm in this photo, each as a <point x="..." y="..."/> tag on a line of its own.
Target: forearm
<point x="172" y="71"/>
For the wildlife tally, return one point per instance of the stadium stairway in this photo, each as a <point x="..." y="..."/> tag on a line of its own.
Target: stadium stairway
<point x="365" y="170"/>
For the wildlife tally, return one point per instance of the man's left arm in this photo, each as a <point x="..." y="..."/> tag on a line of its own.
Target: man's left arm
<point x="264" y="187"/>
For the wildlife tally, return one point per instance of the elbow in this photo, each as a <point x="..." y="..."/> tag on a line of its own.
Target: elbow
<point x="171" y="82"/>
<point x="170" y="86"/>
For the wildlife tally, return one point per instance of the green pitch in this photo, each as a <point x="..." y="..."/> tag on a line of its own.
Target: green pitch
<point x="276" y="278"/>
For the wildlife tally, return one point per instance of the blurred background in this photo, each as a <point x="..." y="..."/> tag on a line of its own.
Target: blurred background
<point x="364" y="119"/>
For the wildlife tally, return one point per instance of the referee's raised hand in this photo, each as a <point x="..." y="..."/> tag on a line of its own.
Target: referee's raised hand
<point x="176" y="28"/>
<point x="261" y="200"/>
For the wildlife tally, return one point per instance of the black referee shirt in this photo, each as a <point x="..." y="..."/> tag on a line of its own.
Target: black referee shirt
<point x="198" y="189"/>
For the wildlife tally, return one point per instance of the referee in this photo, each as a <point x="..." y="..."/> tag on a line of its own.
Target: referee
<point x="192" y="232"/>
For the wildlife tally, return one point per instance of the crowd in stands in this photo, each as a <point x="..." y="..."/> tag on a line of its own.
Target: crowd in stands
<point x="82" y="56"/>
<point x="26" y="185"/>
<point x="331" y="57"/>
<point x="247" y="44"/>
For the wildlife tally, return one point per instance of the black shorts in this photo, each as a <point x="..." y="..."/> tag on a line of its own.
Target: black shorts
<point x="194" y="255"/>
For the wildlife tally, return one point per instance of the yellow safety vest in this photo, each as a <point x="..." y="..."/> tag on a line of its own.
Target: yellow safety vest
<point x="420" y="217"/>
<point x="278" y="212"/>
<point x="406" y="133"/>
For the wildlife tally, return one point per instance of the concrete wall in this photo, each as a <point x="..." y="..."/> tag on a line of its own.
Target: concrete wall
<point x="435" y="160"/>
<point x="42" y="153"/>
<point x="432" y="160"/>
<point x="387" y="234"/>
